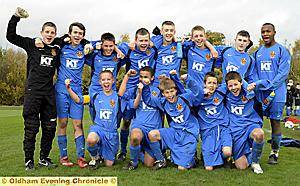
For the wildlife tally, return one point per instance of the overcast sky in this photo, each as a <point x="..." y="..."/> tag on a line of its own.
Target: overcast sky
<point x="126" y="16"/>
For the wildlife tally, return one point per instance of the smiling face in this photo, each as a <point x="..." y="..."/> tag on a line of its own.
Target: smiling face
<point x="170" y="95"/>
<point x="108" y="47"/>
<point x="267" y="34"/>
<point x="76" y="35"/>
<point x="198" y="36"/>
<point x="241" y="42"/>
<point x="234" y="86"/>
<point x="48" y="34"/>
<point x="142" y="42"/>
<point x="106" y="81"/>
<point x="168" y="32"/>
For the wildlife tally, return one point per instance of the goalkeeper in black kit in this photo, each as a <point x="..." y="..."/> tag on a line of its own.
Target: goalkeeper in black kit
<point x="39" y="99"/>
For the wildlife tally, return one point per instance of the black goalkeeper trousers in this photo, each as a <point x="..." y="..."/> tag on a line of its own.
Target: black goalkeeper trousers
<point x="38" y="110"/>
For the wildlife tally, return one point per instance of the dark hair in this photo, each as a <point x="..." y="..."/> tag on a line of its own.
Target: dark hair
<point x="209" y="74"/>
<point x="243" y="33"/>
<point x="142" y="31"/>
<point x="232" y="75"/>
<point x="266" y="24"/>
<point x="148" y="69"/>
<point x="168" y="23"/>
<point x="108" y="37"/>
<point x="106" y="71"/>
<point x="79" y="25"/>
<point x="50" y="24"/>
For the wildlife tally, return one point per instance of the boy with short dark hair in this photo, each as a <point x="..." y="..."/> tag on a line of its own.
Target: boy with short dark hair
<point x="145" y="119"/>
<point x="244" y="123"/>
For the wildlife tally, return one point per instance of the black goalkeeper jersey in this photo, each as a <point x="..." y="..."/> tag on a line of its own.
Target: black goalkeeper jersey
<point x="41" y="62"/>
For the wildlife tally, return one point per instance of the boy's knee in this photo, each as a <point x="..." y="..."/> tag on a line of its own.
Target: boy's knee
<point x="209" y="168"/>
<point x="153" y="135"/>
<point x="227" y="152"/>
<point x="92" y="140"/>
<point x="258" y="135"/>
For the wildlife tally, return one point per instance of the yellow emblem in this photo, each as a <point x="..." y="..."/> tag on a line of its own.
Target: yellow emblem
<point x="179" y="107"/>
<point x="79" y="54"/>
<point x="112" y="103"/>
<point x="243" y="61"/>
<point x="272" y="54"/>
<point x="207" y="57"/>
<point x="216" y="100"/>
<point x="154" y="93"/>
<point x="173" y="48"/>
<point x="53" y="52"/>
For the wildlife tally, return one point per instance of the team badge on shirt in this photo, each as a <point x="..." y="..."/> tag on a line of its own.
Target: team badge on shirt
<point x="53" y="52"/>
<point x="79" y="54"/>
<point x="244" y="99"/>
<point x="243" y="61"/>
<point x="173" y="49"/>
<point x="179" y="107"/>
<point x="216" y="100"/>
<point x="207" y="57"/>
<point x="272" y="54"/>
<point x="154" y="93"/>
<point x="112" y="103"/>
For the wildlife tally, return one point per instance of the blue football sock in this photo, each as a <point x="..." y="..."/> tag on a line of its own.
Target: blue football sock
<point x="62" y="144"/>
<point x="155" y="147"/>
<point x="276" y="138"/>
<point x="93" y="150"/>
<point x="124" y="140"/>
<point x="141" y="156"/>
<point x="134" y="154"/>
<point x="256" y="151"/>
<point x="80" y="143"/>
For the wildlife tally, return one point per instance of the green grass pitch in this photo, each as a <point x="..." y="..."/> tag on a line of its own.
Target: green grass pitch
<point x="287" y="172"/>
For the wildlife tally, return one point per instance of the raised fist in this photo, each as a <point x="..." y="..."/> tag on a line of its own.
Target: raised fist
<point x="88" y="48"/>
<point x="39" y="43"/>
<point x="21" y="13"/>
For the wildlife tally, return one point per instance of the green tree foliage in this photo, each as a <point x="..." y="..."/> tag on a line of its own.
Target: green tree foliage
<point x="215" y="38"/>
<point x="295" y="69"/>
<point x="12" y="76"/>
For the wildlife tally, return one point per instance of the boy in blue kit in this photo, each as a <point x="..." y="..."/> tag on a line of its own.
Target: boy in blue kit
<point x="213" y="120"/>
<point x="199" y="54"/>
<point x="182" y="136"/>
<point x="145" y="119"/>
<point x="244" y="123"/>
<point x="72" y="60"/>
<point x="103" y="138"/>
<point x="273" y="63"/>
<point x="168" y="57"/>
<point x="135" y="59"/>
<point x="236" y="58"/>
